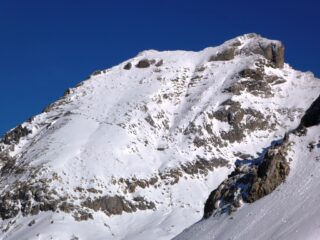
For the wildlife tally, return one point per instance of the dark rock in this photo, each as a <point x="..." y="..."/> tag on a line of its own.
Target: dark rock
<point x="255" y="74"/>
<point x="171" y="176"/>
<point x="15" y="135"/>
<point x="31" y="223"/>
<point x="203" y="166"/>
<point x="127" y="66"/>
<point x="250" y="181"/>
<point x="240" y="120"/>
<point x="159" y="63"/>
<point x="115" y="205"/>
<point x="225" y="55"/>
<point x="312" y="115"/>
<point x="144" y="63"/>
<point x="66" y="207"/>
<point x="8" y="164"/>
<point x="97" y="72"/>
<point x="150" y="120"/>
<point x="82" y="216"/>
<point x="271" y="173"/>
<point x="272" y="51"/>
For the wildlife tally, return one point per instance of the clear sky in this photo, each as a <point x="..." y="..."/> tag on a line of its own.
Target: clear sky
<point x="48" y="46"/>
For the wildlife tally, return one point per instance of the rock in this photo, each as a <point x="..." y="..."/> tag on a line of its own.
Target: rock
<point x="31" y="223"/>
<point x="271" y="173"/>
<point x="127" y="66"/>
<point x="82" y="216"/>
<point x="255" y="74"/>
<point x="15" y="135"/>
<point x="250" y="182"/>
<point x="97" y="72"/>
<point x="159" y="63"/>
<point x="225" y="55"/>
<point x="312" y="115"/>
<point x="271" y="50"/>
<point x="144" y="63"/>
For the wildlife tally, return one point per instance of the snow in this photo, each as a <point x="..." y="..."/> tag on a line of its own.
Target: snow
<point x="99" y="133"/>
<point x="291" y="212"/>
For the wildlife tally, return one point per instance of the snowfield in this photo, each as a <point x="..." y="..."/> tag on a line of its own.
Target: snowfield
<point x="291" y="212"/>
<point x="134" y="151"/>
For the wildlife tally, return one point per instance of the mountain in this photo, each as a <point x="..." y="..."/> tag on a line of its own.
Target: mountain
<point x="134" y="151"/>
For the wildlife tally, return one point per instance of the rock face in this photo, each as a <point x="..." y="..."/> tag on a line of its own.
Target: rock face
<point x="225" y="55"/>
<point x="272" y="51"/>
<point x="14" y="135"/>
<point x="250" y="181"/>
<point x="145" y="63"/>
<point x="312" y="116"/>
<point x="116" y="205"/>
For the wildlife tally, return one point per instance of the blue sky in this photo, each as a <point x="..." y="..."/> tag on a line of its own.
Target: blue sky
<point x="48" y="46"/>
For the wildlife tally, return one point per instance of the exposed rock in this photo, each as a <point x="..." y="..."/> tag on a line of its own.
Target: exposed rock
<point x="97" y="72"/>
<point x="127" y="66"/>
<point x="171" y="176"/>
<point x="226" y="55"/>
<point x="159" y="63"/>
<point x="256" y="74"/>
<point x="15" y="135"/>
<point x="271" y="50"/>
<point x="250" y="181"/>
<point x="240" y="120"/>
<point x="82" y="215"/>
<point x="203" y="166"/>
<point x="150" y="120"/>
<point x="254" y="81"/>
<point x="144" y="63"/>
<point x="312" y="115"/>
<point x="31" y="223"/>
<point x="115" y="205"/>
<point x="270" y="173"/>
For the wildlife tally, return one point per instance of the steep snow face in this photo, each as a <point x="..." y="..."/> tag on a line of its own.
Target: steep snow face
<point x="290" y="212"/>
<point x="134" y="151"/>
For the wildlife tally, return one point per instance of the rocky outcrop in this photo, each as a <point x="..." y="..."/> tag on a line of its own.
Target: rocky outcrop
<point x="255" y="81"/>
<point x="115" y="205"/>
<point x="273" y="51"/>
<point x="14" y="136"/>
<point x="312" y="115"/>
<point x="254" y="179"/>
<point x="240" y="119"/>
<point x="224" y="55"/>
<point x="250" y="181"/>
<point x="145" y="63"/>
<point x="30" y="198"/>
<point x="127" y="66"/>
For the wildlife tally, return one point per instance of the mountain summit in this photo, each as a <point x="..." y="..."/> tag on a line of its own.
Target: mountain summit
<point x="134" y="151"/>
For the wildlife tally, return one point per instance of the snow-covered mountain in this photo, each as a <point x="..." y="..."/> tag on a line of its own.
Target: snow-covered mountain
<point x="135" y="151"/>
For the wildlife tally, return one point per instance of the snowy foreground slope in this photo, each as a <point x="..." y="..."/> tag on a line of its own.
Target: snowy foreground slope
<point x="290" y="212"/>
<point x="134" y="151"/>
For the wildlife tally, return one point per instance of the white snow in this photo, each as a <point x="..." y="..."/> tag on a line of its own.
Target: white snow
<point x="291" y="212"/>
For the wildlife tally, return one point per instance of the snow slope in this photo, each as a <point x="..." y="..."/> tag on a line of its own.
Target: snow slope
<point x="158" y="138"/>
<point x="290" y="212"/>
